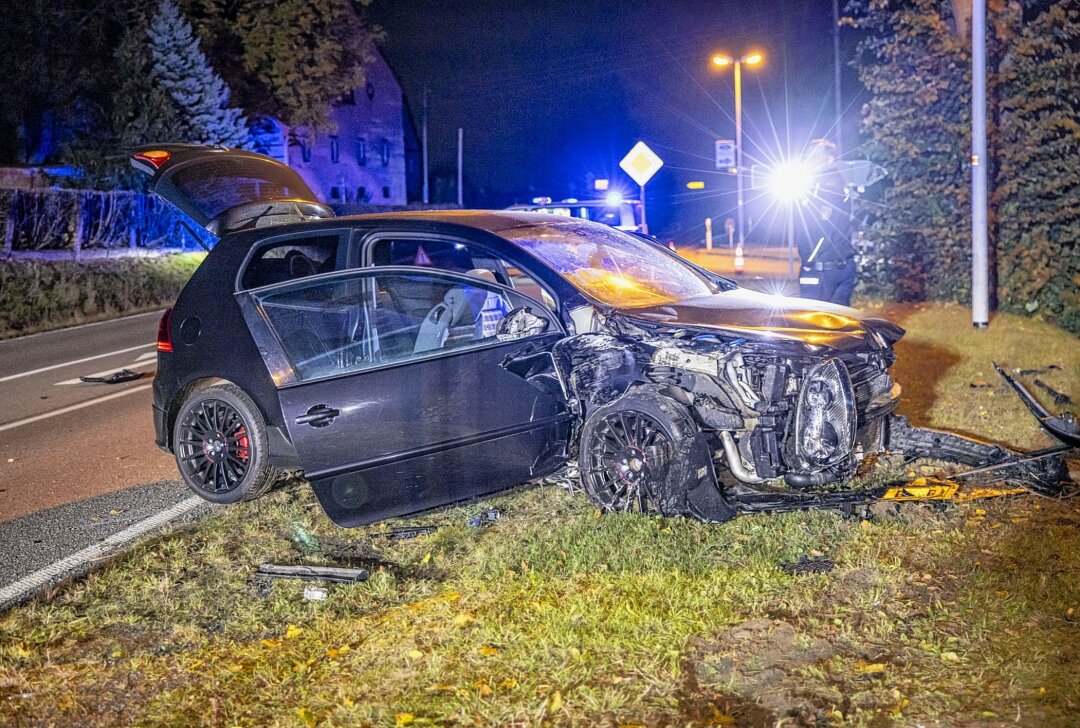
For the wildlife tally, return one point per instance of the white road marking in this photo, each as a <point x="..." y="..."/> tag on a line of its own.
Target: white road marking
<point x="73" y="407"/>
<point x="9" y="377"/>
<point x="141" y="363"/>
<point x="29" y="584"/>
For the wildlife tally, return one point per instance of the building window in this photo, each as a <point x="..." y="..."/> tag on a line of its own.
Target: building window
<point x="361" y="152"/>
<point x="335" y="150"/>
<point x="384" y="152"/>
<point x="305" y="151"/>
<point x="335" y="193"/>
<point x="385" y="191"/>
<point x="369" y="89"/>
<point x="361" y="194"/>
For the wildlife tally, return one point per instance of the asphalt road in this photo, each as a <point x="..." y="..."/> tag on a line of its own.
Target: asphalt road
<point x="77" y="461"/>
<point x="764" y="269"/>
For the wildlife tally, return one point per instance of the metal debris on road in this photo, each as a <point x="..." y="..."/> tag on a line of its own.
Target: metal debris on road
<point x="332" y="574"/>
<point x="806" y="565"/>
<point x="124" y="375"/>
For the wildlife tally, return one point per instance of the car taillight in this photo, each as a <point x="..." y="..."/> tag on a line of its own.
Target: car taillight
<point x="164" y="331"/>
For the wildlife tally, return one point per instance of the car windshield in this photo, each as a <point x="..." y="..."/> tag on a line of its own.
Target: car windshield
<point x="611" y="266"/>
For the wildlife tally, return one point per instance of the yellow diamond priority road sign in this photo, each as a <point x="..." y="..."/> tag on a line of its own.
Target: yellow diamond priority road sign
<point x="641" y="163"/>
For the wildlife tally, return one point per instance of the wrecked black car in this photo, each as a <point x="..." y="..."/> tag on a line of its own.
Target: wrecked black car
<point x="404" y="361"/>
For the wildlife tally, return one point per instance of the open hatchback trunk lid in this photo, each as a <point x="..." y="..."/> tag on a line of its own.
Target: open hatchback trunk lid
<point x="226" y="190"/>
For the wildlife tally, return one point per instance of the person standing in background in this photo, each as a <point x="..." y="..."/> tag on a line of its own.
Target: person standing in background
<point x="828" y="259"/>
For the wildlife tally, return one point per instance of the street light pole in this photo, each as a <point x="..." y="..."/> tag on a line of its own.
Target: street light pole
<point x="980" y="253"/>
<point x="751" y="59"/>
<point x="738" y="148"/>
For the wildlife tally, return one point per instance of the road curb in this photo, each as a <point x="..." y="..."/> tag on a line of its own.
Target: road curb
<point x="32" y="583"/>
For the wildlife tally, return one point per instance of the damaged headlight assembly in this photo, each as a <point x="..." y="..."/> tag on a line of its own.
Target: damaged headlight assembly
<point x="825" y="416"/>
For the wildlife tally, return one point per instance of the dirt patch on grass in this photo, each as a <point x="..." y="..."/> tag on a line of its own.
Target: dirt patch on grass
<point x="759" y="660"/>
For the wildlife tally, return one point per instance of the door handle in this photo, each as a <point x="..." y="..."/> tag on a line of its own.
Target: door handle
<point x="320" y="415"/>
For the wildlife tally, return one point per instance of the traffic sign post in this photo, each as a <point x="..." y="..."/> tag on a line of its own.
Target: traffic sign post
<point x="641" y="163"/>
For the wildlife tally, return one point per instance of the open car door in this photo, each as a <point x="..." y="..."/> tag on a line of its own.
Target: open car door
<point x="226" y="190"/>
<point x="395" y="408"/>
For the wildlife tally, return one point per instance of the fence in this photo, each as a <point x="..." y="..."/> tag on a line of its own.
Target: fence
<point x="73" y="221"/>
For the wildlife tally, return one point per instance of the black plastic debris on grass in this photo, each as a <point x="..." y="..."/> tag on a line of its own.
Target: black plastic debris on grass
<point x="124" y="375"/>
<point x="1060" y="398"/>
<point x="333" y="574"/>
<point x="806" y="565"/>
<point x="1042" y="370"/>
<point x="406" y="532"/>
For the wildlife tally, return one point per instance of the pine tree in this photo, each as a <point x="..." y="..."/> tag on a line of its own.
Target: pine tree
<point x="179" y="68"/>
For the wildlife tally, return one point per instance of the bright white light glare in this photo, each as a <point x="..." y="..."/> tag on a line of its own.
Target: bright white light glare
<point x="614" y="198"/>
<point x="791" y="180"/>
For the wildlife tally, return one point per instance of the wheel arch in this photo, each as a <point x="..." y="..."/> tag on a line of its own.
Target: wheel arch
<point x="282" y="452"/>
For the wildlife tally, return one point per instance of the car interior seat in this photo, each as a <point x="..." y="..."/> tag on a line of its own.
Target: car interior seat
<point x="454" y="319"/>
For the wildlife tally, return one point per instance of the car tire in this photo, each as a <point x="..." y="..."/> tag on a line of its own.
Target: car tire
<point x="220" y="445"/>
<point x="643" y="451"/>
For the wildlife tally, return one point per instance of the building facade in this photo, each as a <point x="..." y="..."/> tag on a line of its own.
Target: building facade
<point x="362" y="160"/>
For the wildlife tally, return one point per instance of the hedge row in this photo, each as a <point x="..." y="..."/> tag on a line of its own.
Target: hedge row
<point x="37" y="295"/>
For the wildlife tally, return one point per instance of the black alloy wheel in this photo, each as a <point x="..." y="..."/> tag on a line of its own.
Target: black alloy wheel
<point x="626" y="457"/>
<point x="644" y="452"/>
<point x="214" y="447"/>
<point x="220" y="444"/>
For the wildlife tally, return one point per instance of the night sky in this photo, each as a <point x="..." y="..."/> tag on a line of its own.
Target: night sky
<point x="548" y="92"/>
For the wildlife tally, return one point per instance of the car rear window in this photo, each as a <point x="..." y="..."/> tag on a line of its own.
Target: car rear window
<point x="217" y="185"/>
<point x="290" y="259"/>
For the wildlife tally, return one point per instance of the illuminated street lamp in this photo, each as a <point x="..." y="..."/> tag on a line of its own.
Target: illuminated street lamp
<point x="723" y="61"/>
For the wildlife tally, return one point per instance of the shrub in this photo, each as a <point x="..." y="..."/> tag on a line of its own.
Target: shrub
<point x="37" y="295"/>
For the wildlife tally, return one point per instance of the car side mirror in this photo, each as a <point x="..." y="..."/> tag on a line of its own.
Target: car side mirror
<point x="520" y="323"/>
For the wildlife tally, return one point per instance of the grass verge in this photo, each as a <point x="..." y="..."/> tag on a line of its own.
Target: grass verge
<point x="964" y="616"/>
<point x="38" y="295"/>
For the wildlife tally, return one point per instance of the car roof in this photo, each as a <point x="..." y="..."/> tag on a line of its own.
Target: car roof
<point x="490" y="220"/>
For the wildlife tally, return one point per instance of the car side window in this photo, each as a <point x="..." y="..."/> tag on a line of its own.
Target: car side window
<point x="290" y="259"/>
<point x="349" y="323"/>
<point x="459" y="257"/>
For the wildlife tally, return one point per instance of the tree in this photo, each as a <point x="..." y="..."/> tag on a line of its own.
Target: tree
<point x="1036" y="191"/>
<point x="53" y="61"/>
<point x="918" y="74"/>
<point x="179" y="68"/>
<point x="915" y="62"/>
<point x="297" y="56"/>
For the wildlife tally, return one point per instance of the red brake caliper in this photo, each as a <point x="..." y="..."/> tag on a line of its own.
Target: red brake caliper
<point x="242" y="445"/>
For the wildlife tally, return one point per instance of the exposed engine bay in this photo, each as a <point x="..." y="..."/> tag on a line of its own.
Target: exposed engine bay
<point x="699" y="423"/>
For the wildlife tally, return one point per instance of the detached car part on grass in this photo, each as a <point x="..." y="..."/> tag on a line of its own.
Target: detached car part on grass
<point x="405" y="361"/>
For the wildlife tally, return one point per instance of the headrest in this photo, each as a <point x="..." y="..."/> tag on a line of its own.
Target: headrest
<point x="483" y="274"/>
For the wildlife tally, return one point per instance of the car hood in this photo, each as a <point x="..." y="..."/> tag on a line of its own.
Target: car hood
<point x="763" y="316"/>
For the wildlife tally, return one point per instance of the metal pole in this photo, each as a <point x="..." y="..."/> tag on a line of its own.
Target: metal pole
<point x="708" y="234"/>
<point x="738" y="146"/>
<point x="980" y="254"/>
<point x="791" y="241"/>
<point x="423" y="145"/>
<point x="836" y="80"/>
<point x="460" y="146"/>
<point x="644" y="222"/>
